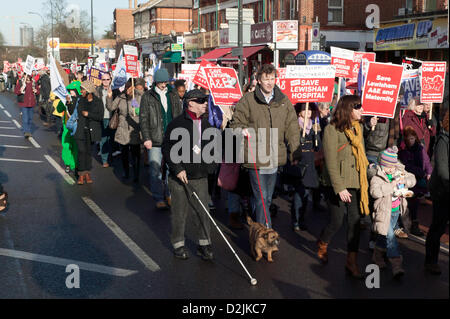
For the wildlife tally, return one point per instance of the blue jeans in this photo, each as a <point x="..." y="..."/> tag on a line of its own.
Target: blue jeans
<point x="300" y="201"/>
<point x="27" y="119"/>
<point x="234" y="203"/>
<point x="158" y="187"/>
<point x="105" y="142"/>
<point x="390" y="241"/>
<point x="268" y="182"/>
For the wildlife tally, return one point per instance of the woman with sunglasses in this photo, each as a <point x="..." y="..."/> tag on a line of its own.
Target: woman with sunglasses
<point x="345" y="175"/>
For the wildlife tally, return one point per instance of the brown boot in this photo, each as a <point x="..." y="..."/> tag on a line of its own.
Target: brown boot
<point x="81" y="180"/>
<point x="351" y="267"/>
<point x="322" y="251"/>
<point x="235" y="221"/>
<point x="397" y="268"/>
<point x="88" y="179"/>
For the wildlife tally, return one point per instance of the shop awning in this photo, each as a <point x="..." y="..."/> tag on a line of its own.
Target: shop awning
<point x="344" y="44"/>
<point x="171" y="57"/>
<point x="248" y="52"/>
<point x="215" y="54"/>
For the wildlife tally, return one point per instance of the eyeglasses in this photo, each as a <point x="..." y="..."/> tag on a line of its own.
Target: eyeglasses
<point x="200" y="100"/>
<point x="106" y="79"/>
<point x="357" y="106"/>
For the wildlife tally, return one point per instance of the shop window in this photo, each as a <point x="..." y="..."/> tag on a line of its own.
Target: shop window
<point x="431" y="5"/>
<point x="336" y="11"/>
<point x="272" y="10"/>
<point x="293" y="9"/>
<point x="282" y="11"/>
<point x="259" y="5"/>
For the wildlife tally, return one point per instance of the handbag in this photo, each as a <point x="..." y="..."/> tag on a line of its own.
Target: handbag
<point x="20" y="98"/>
<point x="228" y="176"/>
<point x="114" y="120"/>
<point x="72" y="122"/>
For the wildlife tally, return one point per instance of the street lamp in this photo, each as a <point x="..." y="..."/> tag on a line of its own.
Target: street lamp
<point x="43" y="22"/>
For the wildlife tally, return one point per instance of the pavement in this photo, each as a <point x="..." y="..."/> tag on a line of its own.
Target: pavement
<point x="111" y="232"/>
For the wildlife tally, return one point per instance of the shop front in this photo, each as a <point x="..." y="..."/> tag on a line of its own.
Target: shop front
<point x="309" y="57"/>
<point x="422" y="37"/>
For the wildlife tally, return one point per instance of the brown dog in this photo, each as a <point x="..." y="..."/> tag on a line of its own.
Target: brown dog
<point x="262" y="240"/>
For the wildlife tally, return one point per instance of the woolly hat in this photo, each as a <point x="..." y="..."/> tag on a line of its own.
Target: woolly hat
<point x="161" y="75"/>
<point x="388" y="157"/>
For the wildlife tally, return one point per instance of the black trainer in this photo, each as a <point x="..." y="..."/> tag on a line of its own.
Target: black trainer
<point x="181" y="253"/>
<point x="205" y="252"/>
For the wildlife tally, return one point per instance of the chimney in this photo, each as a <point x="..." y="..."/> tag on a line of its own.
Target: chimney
<point x="135" y="4"/>
<point x="129" y="4"/>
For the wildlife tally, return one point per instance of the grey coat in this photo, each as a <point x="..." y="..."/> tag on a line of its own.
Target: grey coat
<point x="128" y="131"/>
<point x="381" y="190"/>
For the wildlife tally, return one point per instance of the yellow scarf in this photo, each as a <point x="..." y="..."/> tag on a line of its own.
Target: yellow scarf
<point x="361" y="163"/>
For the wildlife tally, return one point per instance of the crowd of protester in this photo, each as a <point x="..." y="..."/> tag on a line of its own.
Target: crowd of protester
<point x="362" y="166"/>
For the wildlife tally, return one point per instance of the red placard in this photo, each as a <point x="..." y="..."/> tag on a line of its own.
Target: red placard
<point x="224" y="85"/>
<point x="199" y="78"/>
<point x="381" y="89"/>
<point x="283" y="83"/>
<point x="352" y="83"/>
<point x="432" y="82"/>
<point x="309" y="83"/>
<point x="131" y="60"/>
<point x="342" y="59"/>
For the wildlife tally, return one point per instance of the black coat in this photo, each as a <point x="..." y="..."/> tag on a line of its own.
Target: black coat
<point x="151" y="116"/>
<point x="44" y="82"/>
<point x="305" y="173"/>
<point x="439" y="183"/>
<point x="193" y="170"/>
<point x="92" y="123"/>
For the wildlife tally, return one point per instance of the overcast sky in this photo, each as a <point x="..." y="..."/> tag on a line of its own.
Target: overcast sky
<point x="103" y="13"/>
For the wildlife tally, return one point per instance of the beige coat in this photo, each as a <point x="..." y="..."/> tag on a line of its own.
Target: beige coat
<point x="253" y="112"/>
<point x="381" y="190"/>
<point x="128" y="131"/>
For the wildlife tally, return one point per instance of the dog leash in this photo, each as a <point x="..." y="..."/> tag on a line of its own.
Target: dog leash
<point x="259" y="183"/>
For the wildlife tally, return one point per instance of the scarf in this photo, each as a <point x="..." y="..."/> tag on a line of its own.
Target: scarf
<point x="361" y="163"/>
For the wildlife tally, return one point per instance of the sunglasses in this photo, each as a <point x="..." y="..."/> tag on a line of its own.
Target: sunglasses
<point x="106" y="79"/>
<point x="200" y="101"/>
<point x="357" y="106"/>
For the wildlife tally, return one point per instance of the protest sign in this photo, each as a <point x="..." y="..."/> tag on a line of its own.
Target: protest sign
<point x="411" y="86"/>
<point x="6" y="66"/>
<point x="224" y="85"/>
<point x="131" y="60"/>
<point x="200" y="78"/>
<point x="283" y="83"/>
<point x="342" y="59"/>
<point x="352" y="82"/>
<point x="29" y="65"/>
<point x="432" y="82"/>
<point x="381" y="89"/>
<point x="310" y="83"/>
<point x="95" y="76"/>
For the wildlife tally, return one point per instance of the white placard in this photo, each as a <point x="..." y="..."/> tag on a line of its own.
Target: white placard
<point x="310" y="71"/>
<point x="29" y="65"/>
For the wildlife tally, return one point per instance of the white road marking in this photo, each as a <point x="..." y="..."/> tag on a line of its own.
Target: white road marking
<point x="7" y="113"/>
<point x="135" y="249"/>
<point x="33" y="141"/>
<point x="420" y="240"/>
<point x="7" y="128"/>
<point x="59" y="169"/>
<point x="18" y="160"/>
<point x="5" y="121"/>
<point x="17" y="124"/>
<point x="2" y="107"/>
<point x="14" y="146"/>
<point x="3" y="135"/>
<point x="64" y="262"/>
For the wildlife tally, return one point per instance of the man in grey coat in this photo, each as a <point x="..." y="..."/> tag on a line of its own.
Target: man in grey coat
<point x="159" y="106"/>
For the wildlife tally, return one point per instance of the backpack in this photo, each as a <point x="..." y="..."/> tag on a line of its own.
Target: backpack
<point x="72" y="122"/>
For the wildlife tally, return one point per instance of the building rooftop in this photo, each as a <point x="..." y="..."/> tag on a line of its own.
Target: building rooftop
<point x="163" y="4"/>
